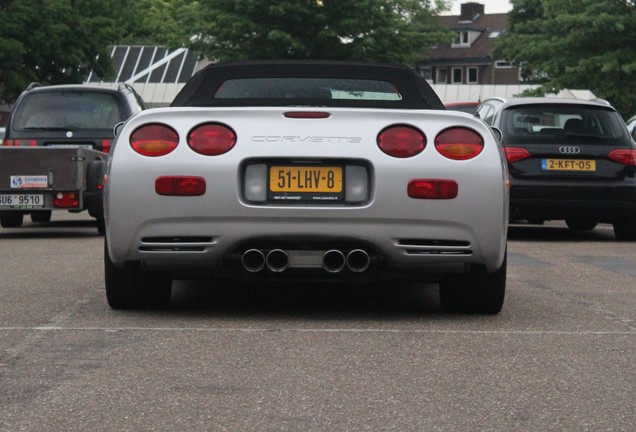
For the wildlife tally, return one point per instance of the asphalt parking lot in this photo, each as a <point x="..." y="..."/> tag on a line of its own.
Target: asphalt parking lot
<point x="302" y="356"/>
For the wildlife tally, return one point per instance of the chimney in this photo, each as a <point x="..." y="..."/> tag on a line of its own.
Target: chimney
<point x="469" y="11"/>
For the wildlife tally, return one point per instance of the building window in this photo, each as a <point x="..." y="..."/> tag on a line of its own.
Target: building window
<point x="457" y="75"/>
<point x="473" y="76"/>
<point x="426" y="73"/>
<point x="461" y="39"/>
<point x="441" y="76"/>
<point x="503" y="64"/>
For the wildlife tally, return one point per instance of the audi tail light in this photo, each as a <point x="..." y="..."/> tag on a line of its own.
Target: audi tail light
<point x="515" y="154"/>
<point x="211" y="139"/>
<point x="154" y="139"/>
<point x="623" y="156"/>
<point x="180" y="186"/>
<point x="459" y="143"/>
<point x="401" y="141"/>
<point x="432" y="189"/>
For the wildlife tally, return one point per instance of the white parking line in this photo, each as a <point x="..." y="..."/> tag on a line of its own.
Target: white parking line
<point x="300" y="330"/>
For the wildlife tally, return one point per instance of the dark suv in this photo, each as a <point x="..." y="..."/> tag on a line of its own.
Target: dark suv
<point x="569" y="160"/>
<point x="70" y="115"/>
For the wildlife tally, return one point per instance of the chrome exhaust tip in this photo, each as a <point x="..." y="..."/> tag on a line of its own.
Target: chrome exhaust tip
<point x="253" y="260"/>
<point x="358" y="260"/>
<point x="333" y="261"/>
<point x="277" y="260"/>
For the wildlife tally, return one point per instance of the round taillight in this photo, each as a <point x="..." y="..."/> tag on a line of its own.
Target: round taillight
<point x="401" y="141"/>
<point x="154" y="140"/>
<point x="211" y="139"/>
<point x="459" y="143"/>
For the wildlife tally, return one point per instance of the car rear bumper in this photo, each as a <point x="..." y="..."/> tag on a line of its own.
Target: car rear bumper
<point x="202" y="244"/>
<point x="602" y="201"/>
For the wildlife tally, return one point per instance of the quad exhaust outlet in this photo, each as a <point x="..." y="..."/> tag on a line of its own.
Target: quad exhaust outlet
<point x="279" y="260"/>
<point x="358" y="260"/>
<point x="253" y="260"/>
<point x="333" y="261"/>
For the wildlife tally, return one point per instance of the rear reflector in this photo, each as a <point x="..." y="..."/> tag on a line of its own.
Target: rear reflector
<point x="211" y="139"/>
<point x="180" y="186"/>
<point x="623" y="156"/>
<point x="401" y="141"/>
<point x="515" y="154"/>
<point x="433" y="189"/>
<point x="154" y="140"/>
<point x="459" y="143"/>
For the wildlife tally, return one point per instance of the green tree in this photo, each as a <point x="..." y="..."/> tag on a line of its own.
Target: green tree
<point x="584" y="44"/>
<point x="50" y="41"/>
<point x="375" y="30"/>
<point x="156" y="22"/>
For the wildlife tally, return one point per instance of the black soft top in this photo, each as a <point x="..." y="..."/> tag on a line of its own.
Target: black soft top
<point x="210" y="87"/>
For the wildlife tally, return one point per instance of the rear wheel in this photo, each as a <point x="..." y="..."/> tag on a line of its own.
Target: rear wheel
<point x="625" y="230"/>
<point x="101" y="226"/>
<point x="131" y="287"/>
<point x="581" y="224"/>
<point x="11" y="219"/>
<point x="41" y="216"/>
<point x="475" y="292"/>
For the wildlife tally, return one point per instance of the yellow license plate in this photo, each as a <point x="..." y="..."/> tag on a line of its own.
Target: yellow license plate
<point x="568" y="165"/>
<point x="297" y="179"/>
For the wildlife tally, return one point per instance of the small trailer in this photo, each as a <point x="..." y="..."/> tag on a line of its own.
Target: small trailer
<point x="38" y="180"/>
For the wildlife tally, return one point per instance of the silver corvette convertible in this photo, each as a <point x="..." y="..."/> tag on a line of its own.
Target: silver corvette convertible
<point x="303" y="169"/>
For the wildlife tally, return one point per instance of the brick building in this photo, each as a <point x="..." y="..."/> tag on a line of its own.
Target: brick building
<point x="469" y="59"/>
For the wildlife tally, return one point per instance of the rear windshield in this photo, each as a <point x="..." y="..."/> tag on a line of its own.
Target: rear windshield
<point x="545" y="123"/>
<point x="69" y="110"/>
<point x="308" y="88"/>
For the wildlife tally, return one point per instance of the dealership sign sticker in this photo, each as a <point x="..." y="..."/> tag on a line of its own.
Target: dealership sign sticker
<point x="29" y="182"/>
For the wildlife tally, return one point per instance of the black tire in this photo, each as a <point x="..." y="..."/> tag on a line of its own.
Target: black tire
<point x="41" y="216"/>
<point x="581" y="225"/>
<point x="131" y="287"/>
<point x="625" y="230"/>
<point x="101" y="227"/>
<point x="11" y="219"/>
<point x="94" y="201"/>
<point x="475" y="292"/>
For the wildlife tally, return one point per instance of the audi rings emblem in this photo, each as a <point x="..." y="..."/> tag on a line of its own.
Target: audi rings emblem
<point x="569" y="150"/>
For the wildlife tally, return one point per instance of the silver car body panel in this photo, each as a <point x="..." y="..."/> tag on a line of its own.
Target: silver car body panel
<point x="198" y="231"/>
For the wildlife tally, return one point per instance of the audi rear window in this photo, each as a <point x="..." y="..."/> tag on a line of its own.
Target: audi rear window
<point x="547" y="123"/>
<point x="69" y="110"/>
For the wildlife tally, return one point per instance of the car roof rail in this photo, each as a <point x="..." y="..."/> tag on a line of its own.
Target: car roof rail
<point x="33" y="85"/>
